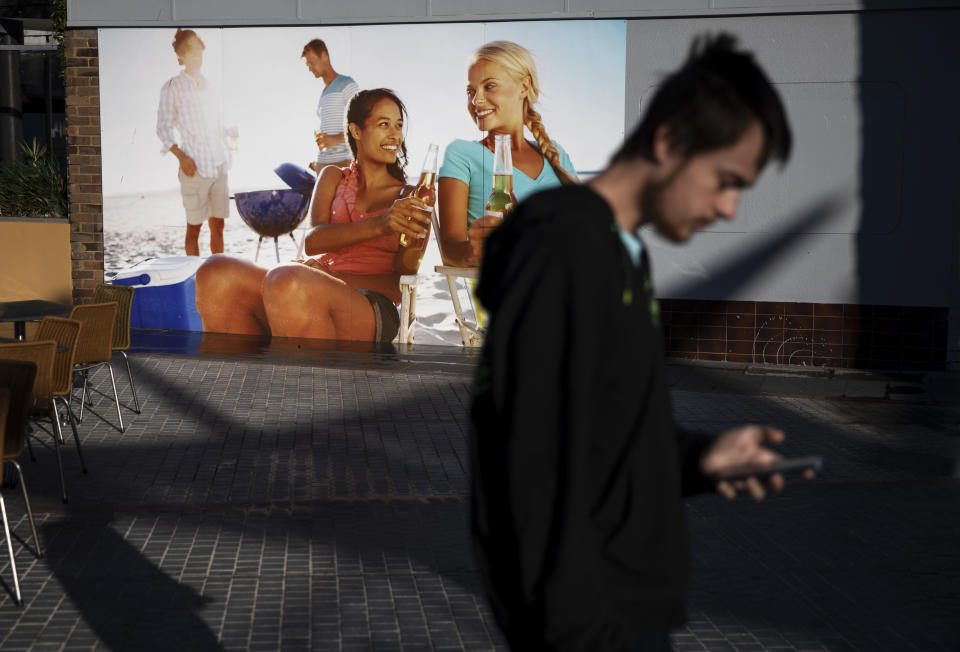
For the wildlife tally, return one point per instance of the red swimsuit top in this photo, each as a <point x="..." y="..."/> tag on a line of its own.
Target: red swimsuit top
<point x="373" y="256"/>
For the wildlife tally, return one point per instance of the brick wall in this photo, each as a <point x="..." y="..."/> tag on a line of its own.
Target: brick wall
<point x="83" y="152"/>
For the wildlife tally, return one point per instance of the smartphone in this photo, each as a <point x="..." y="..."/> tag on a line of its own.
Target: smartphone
<point x="787" y="466"/>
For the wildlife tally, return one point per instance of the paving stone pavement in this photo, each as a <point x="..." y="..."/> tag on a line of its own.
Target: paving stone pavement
<point x="275" y="506"/>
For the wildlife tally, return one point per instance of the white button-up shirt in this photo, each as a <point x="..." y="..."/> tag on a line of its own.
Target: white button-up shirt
<point x="191" y="108"/>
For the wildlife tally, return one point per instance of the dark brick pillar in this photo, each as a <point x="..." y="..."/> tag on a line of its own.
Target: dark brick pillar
<point x="83" y="156"/>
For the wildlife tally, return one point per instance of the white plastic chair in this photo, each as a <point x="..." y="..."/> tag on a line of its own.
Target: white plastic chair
<point x="471" y="334"/>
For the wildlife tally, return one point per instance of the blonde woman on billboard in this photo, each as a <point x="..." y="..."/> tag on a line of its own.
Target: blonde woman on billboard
<point x="350" y="287"/>
<point x="502" y="89"/>
<point x="190" y="126"/>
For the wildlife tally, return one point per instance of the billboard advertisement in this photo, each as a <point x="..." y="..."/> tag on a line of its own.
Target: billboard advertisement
<point x="234" y="124"/>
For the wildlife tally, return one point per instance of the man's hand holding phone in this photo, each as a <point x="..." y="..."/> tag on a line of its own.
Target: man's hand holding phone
<point x="740" y="460"/>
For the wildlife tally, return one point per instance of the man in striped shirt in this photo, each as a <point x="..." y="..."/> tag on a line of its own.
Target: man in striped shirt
<point x="190" y="127"/>
<point x="337" y="91"/>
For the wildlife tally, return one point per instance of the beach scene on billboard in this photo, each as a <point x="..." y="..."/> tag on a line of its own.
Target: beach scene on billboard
<point x="281" y="181"/>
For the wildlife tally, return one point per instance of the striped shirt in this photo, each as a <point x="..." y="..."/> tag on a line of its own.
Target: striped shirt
<point x="330" y="110"/>
<point x="189" y="117"/>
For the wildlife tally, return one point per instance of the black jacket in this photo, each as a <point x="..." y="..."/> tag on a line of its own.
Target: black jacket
<point x="578" y="467"/>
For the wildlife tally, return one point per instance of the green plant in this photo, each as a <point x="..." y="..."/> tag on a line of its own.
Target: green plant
<point x="33" y="187"/>
<point x="58" y="20"/>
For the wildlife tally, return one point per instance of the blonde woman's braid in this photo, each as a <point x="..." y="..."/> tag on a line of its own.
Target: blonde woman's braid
<point x="518" y="62"/>
<point x="535" y="124"/>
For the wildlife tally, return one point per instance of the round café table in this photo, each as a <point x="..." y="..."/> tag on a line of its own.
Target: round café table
<point x="20" y="312"/>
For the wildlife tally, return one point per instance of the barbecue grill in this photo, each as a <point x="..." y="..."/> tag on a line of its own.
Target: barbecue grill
<point x="273" y="213"/>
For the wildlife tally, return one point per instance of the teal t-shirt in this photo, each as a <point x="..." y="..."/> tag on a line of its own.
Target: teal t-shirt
<point x="472" y="163"/>
<point x="632" y="244"/>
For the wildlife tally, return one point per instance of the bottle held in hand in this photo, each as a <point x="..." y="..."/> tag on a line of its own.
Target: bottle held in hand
<point x="425" y="192"/>
<point x="501" y="200"/>
<point x="233" y="138"/>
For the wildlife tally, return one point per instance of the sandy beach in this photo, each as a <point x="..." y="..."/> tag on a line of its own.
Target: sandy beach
<point x="136" y="227"/>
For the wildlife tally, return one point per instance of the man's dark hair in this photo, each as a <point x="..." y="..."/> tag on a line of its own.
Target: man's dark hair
<point x="316" y="45"/>
<point x="708" y="104"/>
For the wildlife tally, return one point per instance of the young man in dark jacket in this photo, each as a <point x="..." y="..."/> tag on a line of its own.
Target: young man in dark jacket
<point x="578" y="467"/>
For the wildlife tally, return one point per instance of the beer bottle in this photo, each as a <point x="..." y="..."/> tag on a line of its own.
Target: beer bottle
<point x="501" y="200"/>
<point x="425" y="192"/>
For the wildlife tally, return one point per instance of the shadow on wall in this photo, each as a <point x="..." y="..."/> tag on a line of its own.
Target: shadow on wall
<point x="909" y="235"/>
<point x="728" y="279"/>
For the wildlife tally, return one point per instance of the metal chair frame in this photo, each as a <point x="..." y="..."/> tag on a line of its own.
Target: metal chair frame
<point x="16" y="390"/>
<point x="95" y="348"/>
<point x="64" y="333"/>
<point x="470" y="334"/>
<point x="123" y="295"/>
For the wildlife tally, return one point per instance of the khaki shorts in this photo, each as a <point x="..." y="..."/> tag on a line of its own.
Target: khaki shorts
<point x="204" y="197"/>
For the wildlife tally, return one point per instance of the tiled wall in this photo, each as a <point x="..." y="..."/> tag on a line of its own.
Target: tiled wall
<point x="818" y="334"/>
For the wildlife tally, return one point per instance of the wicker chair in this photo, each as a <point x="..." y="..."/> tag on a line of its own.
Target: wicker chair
<point x="16" y="384"/>
<point x="123" y="295"/>
<point x="42" y="353"/>
<point x="66" y="333"/>
<point x="95" y="347"/>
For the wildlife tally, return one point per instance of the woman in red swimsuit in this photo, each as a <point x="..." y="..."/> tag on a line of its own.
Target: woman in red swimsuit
<point x="350" y="292"/>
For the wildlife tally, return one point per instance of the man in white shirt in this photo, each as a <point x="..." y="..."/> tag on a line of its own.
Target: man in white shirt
<point x="190" y="126"/>
<point x="337" y="91"/>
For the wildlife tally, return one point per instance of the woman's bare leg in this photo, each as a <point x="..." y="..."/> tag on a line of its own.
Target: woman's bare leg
<point x="229" y="296"/>
<point x="302" y="301"/>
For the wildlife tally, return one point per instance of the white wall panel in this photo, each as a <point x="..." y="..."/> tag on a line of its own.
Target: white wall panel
<point x="158" y="13"/>
<point x="363" y="9"/>
<point x="632" y="6"/>
<point x="828" y="5"/>
<point x="255" y="10"/>
<point x="459" y="8"/>
<point x="826" y="118"/>
<point x="870" y="114"/>
<point x="107" y="12"/>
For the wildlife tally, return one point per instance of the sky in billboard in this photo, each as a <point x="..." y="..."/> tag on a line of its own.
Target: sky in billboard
<point x="269" y="95"/>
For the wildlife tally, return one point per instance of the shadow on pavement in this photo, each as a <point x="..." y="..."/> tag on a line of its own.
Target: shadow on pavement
<point x="127" y="601"/>
<point x="366" y="496"/>
<point x="271" y="484"/>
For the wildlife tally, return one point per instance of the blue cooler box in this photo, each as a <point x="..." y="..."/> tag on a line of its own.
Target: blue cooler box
<point x="166" y="295"/>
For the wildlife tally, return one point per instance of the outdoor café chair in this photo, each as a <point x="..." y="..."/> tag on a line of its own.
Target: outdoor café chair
<point x="408" y="301"/>
<point x="16" y="389"/>
<point x="66" y="333"/>
<point x="123" y="295"/>
<point x="46" y="387"/>
<point x="408" y="314"/>
<point x="471" y="334"/>
<point x="95" y="347"/>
